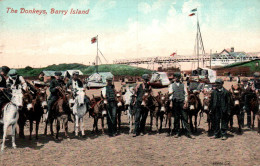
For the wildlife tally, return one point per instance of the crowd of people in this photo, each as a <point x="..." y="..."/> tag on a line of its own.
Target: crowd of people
<point x="178" y="91"/>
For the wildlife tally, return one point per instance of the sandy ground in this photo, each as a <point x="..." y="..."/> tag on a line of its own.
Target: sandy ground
<point x="150" y="149"/>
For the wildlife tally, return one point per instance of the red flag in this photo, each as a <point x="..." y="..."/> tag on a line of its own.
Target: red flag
<point x="93" y="40"/>
<point x="192" y="14"/>
<point x="173" y="54"/>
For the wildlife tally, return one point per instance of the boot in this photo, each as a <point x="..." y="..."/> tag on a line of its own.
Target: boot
<point x="70" y="119"/>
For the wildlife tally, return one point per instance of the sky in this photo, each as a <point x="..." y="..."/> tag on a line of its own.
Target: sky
<point x="125" y="29"/>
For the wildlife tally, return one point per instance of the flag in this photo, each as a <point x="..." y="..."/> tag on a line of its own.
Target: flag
<point x="192" y="14"/>
<point x="93" y="40"/>
<point x="173" y="54"/>
<point x="194" y="10"/>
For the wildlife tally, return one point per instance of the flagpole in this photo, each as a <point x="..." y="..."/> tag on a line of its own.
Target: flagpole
<point x="97" y="56"/>
<point x="198" y="38"/>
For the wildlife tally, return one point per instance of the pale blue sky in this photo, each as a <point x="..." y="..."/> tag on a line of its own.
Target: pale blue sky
<point x="126" y="28"/>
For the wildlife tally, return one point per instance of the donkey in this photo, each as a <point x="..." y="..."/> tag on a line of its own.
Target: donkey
<point x="254" y="106"/>
<point x="23" y="112"/>
<point x="236" y="107"/>
<point x="79" y="110"/>
<point x="120" y="107"/>
<point x="97" y="111"/>
<point x="159" y="112"/>
<point x="256" y="111"/>
<point x="206" y="108"/>
<point x="60" y="111"/>
<point x="150" y="104"/>
<point x="36" y="110"/>
<point x="11" y="115"/>
<point x="129" y="106"/>
<point x="194" y="106"/>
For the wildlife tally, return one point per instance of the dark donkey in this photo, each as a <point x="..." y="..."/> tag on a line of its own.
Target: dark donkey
<point x="163" y="103"/>
<point x="60" y="111"/>
<point x="97" y="111"/>
<point x="193" y="109"/>
<point x="206" y="108"/>
<point x="150" y="104"/>
<point x="35" y="112"/>
<point x="23" y="113"/>
<point x="254" y="106"/>
<point x="236" y="107"/>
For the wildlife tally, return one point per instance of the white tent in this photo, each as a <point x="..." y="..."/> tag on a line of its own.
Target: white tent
<point x="98" y="80"/>
<point x="161" y="77"/>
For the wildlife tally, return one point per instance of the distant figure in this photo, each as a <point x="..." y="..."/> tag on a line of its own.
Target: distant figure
<point x="238" y="79"/>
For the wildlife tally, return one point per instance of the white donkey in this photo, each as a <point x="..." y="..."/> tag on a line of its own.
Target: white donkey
<point x="79" y="110"/>
<point x="128" y="97"/>
<point x="11" y="115"/>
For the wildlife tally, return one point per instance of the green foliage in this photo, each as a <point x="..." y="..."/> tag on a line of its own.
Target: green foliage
<point x="251" y="64"/>
<point x="115" y="69"/>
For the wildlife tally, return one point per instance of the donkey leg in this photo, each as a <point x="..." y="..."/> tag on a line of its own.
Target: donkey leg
<point x="151" y="121"/>
<point x="157" y="119"/>
<point x="57" y="128"/>
<point x="82" y="127"/>
<point x="4" y="137"/>
<point x="37" y="128"/>
<point x="130" y="121"/>
<point x="102" y="125"/>
<point x="65" y="123"/>
<point x="21" y="124"/>
<point x="13" y="136"/>
<point x="45" y="129"/>
<point x="119" y="120"/>
<point x="253" y="122"/>
<point x="239" y="122"/>
<point x="191" y="125"/>
<point x="76" y="125"/>
<point x="31" y="129"/>
<point x="195" y="123"/>
<point x="161" y="121"/>
<point x="51" y="127"/>
<point x="231" y="122"/>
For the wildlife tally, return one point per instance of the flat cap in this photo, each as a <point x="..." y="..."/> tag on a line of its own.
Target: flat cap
<point x="256" y="74"/>
<point x="219" y="81"/>
<point x="145" y="76"/>
<point x="57" y="73"/>
<point x="177" y="74"/>
<point x="5" y="69"/>
<point x="12" y="72"/>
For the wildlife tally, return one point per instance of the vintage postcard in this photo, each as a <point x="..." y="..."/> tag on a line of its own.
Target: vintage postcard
<point x="129" y="82"/>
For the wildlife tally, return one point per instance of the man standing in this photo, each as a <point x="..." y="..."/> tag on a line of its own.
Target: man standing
<point x="179" y="97"/>
<point x="140" y="112"/>
<point x="3" y="86"/>
<point x="56" y="84"/>
<point x="75" y="83"/>
<point x="220" y="108"/>
<point x="109" y="95"/>
<point x="247" y="93"/>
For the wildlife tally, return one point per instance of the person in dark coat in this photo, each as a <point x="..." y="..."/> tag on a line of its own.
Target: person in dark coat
<point x="141" y="113"/>
<point x="220" y="109"/>
<point x="109" y="94"/>
<point x="4" y="95"/>
<point x="55" y="84"/>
